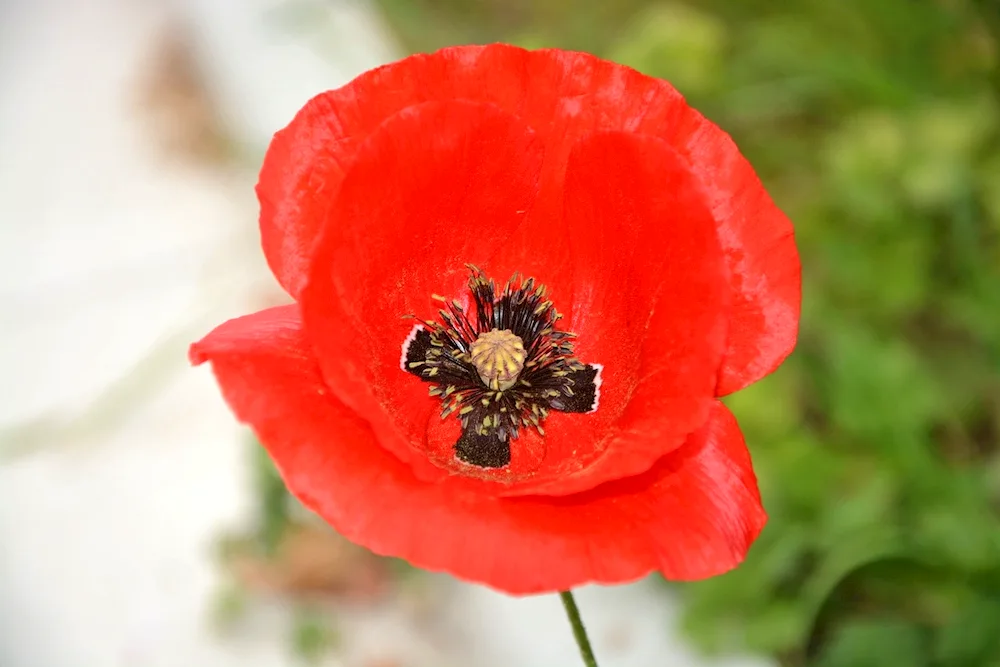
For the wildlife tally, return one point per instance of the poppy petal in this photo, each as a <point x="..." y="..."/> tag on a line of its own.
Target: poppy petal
<point x="650" y="298"/>
<point x="693" y="515"/>
<point x="758" y="242"/>
<point x="272" y="327"/>
<point x="307" y="161"/>
<point x="561" y="94"/>
<point x="436" y="186"/>
<point x="299" y="179"/>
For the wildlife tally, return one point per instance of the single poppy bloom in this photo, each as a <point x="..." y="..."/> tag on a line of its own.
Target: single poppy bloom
<point x="521" y="282"/>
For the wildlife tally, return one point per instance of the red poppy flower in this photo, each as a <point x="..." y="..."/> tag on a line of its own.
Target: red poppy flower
<point x="521" y="281"/>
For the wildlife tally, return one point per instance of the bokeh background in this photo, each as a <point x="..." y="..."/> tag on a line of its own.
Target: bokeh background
<point x="140" y="527"/>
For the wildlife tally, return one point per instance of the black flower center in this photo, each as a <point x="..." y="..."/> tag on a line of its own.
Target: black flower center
<point x="501" y="368"/>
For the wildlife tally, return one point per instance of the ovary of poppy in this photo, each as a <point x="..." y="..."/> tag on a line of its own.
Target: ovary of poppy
<point x="522" y="281"/>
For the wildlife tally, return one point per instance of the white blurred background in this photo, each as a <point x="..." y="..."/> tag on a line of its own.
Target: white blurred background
<point x="130" y="133"/>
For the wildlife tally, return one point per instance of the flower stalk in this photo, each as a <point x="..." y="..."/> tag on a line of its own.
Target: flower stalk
<point x="579" y="631"/>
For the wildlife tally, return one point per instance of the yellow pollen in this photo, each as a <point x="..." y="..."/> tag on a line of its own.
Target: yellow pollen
<point x="498" y="356"/>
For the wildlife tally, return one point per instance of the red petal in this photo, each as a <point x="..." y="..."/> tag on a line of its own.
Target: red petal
<point x="307" y="161"/>
<point x="693" y="515"/>
<point x="757" y="238"/>
<point x="649" y="305"/>
<point x="759" y="246"/>
<point x="274" y="328"/>
<point x="563" y="95"/>
<point x="437" y="186"/>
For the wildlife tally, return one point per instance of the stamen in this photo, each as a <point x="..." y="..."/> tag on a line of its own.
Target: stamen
<point x="502" y="368"/>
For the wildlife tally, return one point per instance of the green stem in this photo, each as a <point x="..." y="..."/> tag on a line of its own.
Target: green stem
<point x="579" y="632"/>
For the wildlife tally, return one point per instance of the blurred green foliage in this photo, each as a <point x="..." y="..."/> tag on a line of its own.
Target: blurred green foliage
<point x="313" y="635"/>
<point x="274" y="502"/>
<point x="876" y="125"/>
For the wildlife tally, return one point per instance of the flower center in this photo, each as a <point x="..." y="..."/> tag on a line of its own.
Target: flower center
<point x="498" y="356"/>
<point x="501" y="367"/>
